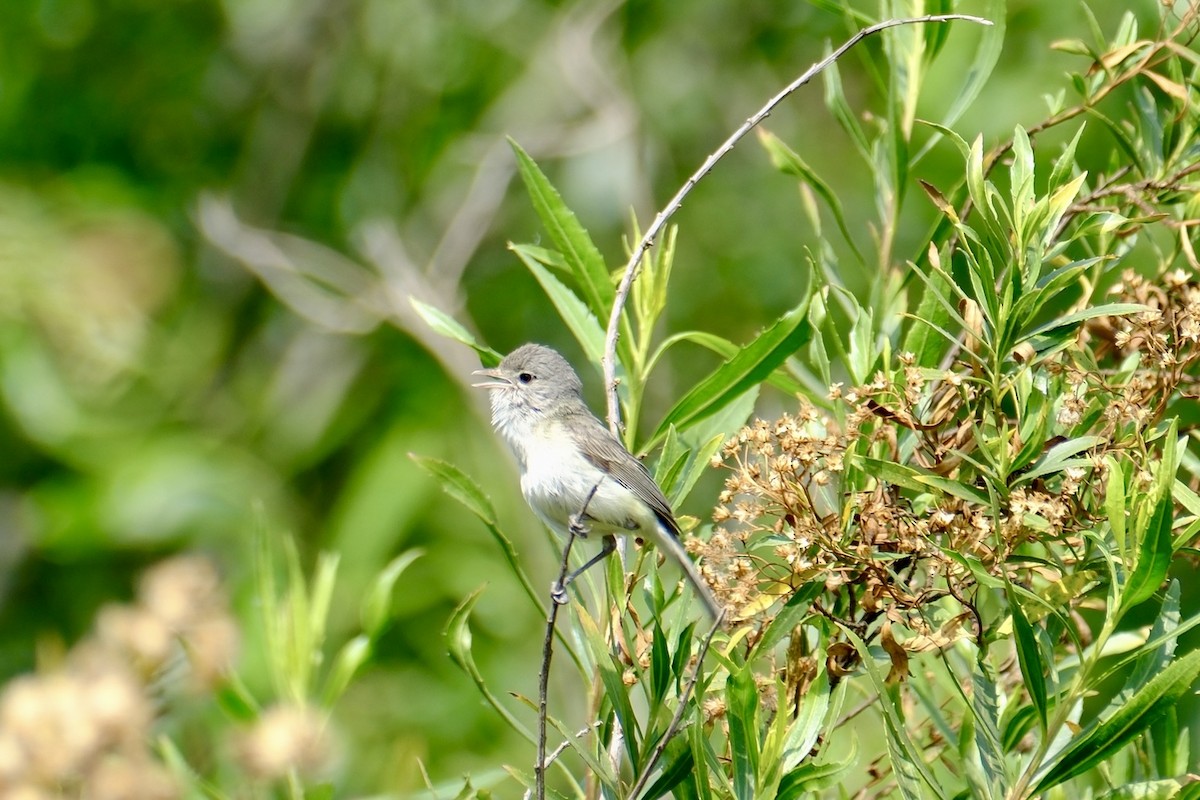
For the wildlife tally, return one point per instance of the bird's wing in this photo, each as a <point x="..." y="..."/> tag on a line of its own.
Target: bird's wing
<point x="610" y="456"/>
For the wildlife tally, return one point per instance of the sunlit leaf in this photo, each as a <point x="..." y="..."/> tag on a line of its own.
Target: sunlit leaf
<point x="752" y="364"/>
<point x="1030" y="657"/>
<point x="1098" y="745"/>
<point x="568" y="235"/>
<point x="444" y="325"/>
<point x="574" y="313"/>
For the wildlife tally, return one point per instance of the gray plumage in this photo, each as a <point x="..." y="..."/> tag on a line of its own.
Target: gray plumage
<point x="564" y="451"/>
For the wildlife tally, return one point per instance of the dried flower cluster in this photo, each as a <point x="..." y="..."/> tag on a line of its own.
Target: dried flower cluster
<point x="801" y="506"/>
<point x="287" y="739"/>
<point x="83" y="727"/>
<point x="1166" y="339"/>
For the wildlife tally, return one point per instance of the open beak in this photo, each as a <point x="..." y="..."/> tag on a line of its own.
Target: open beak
<point x="497" y="380"/>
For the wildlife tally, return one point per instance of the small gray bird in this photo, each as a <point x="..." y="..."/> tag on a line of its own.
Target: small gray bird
<point x="571" y="463"/>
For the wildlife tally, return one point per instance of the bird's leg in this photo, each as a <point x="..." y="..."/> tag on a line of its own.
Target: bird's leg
<point x="577" y="526"/>
<point x="560" y="592"/>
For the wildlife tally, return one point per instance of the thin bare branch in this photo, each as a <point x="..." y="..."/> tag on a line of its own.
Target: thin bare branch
<point x="660" y="221"/>
<point x="539" y="769"/>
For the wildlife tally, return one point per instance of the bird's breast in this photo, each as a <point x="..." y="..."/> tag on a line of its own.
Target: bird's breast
<point x="557" y="479"/>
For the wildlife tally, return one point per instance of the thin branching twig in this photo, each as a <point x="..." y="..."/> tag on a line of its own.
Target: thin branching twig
<point x="562" y="747"/>
<point x="676" y="720"/>
<point x="609" y="361"/>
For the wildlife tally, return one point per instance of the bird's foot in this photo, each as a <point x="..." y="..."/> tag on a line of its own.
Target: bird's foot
<point x="558" y="593"/>
<point x="578" y="526"/>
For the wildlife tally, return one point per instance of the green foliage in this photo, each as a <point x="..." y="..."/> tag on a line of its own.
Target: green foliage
<point x="956" y="512"/>
<point x="955" y="567"/>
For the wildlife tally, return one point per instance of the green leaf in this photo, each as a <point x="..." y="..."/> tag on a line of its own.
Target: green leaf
<point x="455" y="483"/>
<point x="923" y="339"/>
<point x="1099" y="744"/>
<point x="811" y="777"/>
<point x="1070" y="320"/>
<point x="1030" y="658"/>
<point x="752" y="365"/>
<point x="1022" y="174"/>
<point x="352" y="655"/>
<point x="1160" y="646"/>
<point x="987" y="53"/>
<point x="458" y="643"/>
<point x="444" y="325"/>
<point x="785" y="621"/>
<point x="916" y="479"/>
<point x="1050" y="287"/>
<point x="835" y="101"/>
<point x="804" y="730"/>
<point x="908" y="763"/>
<point x="1153" y="536"/>
<point x="741" y="697"/>
<point x="671" y="462"/>
<point x="615" y="690"/>
<point x="1115" y="506"/>
<point x="1164" y="789"/>
<point x="660" y="667"/>
<point x="377" y="605"/>
<point x="697" y="464"/>
<point x="1058" y="458"/>
<point x="1154" y="558"/>
<point x="569" y="237"/>
<point x="789" y="162"/>
<point x="726" y="349"/>
<point x="678" y="767"/>
<point x="581" y="322"/>
<point x="985" y="706"/>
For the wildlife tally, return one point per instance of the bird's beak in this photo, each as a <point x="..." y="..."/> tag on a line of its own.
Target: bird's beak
<point x="498" y="381"/>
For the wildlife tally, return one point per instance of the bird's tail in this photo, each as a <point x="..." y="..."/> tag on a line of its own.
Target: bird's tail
<point x="670" y="544"/>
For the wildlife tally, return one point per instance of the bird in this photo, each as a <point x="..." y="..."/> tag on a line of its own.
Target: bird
<point x="575" y="474"/>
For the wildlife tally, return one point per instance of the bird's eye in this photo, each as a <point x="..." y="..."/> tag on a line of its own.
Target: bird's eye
<point x="525" y="377"/>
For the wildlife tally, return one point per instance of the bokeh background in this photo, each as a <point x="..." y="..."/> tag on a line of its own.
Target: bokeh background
<point x="212" y="215"/>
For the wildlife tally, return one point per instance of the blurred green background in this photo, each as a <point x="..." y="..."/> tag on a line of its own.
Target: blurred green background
<point x="212" y="215"/>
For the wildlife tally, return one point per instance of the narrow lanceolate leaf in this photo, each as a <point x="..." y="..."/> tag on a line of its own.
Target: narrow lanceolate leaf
<point x="753" y="364"/>
<point x="458" y="485"/>
<point x="1154" y="541"/>
<point x="459" y="643"/>
<point x="741" y="697"/>
<point x="1058" y="458"/>
<point x="1114" y="503"/>
<point x="1154" y="558"/>
<point x="679" y="766"/>
<point x="583" y="258"/>
<point x="578" y="318"/>
<point x="917" y="479"/>
<point x="908" y="760"/>
<point x="1154" y="700"/>
<point x="789" y="162"/>
<point x="614" y="687"/>
<point x="1070" y="320"/>
<point x="444" y="325"/>
<point x="813" y="775"/>
<point x="1030" y="658"/>
<point x="376" y="605"/>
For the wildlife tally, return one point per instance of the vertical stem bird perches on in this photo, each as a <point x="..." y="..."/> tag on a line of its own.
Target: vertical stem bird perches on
<point x="557" y="593"/>
<point x="609" y="362"/>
